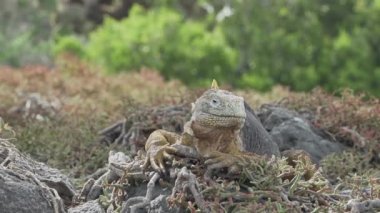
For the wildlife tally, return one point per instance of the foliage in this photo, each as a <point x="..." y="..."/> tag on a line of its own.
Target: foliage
<point x="160" y="39"/>
<point x="298" y="44"/>
<point x="343" y="165"/>
<point x="20" y="51"/>
<point x="25" y="32"/>
<point x="67" y="144"/>
<point x="353" y="120"/>
<point x="265" y="185"/>
<point x="89" y="101"/>
<point x="68" y="44"/>
<point x="301" y="44"/>
<point x="57" y="113"/>
<point x="247" y="44"/>
<point x="73" y="104"/>
<point x="6" y="131"/>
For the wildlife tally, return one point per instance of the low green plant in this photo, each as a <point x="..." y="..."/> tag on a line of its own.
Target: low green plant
<point x="332" y="44"/>
<point x="69" y="144"/>
<point x="25" y="32"/>
<point x="68" y="44"/>
<point x="161" y="39"/>
<point x="19" y="50"/>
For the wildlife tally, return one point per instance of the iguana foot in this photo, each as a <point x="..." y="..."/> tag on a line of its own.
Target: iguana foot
<point x="156" y="156"/>
<point x="218" y="160"/>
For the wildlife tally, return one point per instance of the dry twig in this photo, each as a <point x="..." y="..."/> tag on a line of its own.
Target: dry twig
<point x="141" y="202"/>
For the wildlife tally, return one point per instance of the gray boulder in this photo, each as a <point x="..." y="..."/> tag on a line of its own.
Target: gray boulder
<point x="19" y="193"/>
<point x="92" y="206"/>
<point x="30" y="186"/>
<point x="291" y="130"/>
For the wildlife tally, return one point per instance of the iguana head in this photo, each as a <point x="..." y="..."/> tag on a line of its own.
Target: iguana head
<point x="219" y="108"/>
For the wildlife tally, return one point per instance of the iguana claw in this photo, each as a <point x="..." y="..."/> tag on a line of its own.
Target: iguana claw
<point x="157" y="155"/>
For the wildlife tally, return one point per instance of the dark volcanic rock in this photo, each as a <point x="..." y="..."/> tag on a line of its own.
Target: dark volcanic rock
<point x="290" y="130"/>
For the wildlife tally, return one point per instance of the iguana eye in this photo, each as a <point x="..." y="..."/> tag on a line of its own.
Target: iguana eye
<point x="214" y="102"/>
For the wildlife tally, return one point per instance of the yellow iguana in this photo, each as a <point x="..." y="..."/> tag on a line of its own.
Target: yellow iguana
<point x="213" y="134"/>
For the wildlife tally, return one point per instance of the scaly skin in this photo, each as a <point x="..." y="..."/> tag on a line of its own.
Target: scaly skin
<point x="211" y="134"/>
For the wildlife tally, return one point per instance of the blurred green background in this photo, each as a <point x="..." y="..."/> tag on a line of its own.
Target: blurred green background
<point x="243" y="43"/>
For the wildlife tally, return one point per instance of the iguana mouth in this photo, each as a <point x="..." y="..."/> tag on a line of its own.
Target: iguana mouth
<point x="225" y="116"/>
<point x="215" y="120"/>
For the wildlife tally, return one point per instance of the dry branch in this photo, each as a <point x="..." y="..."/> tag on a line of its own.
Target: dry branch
<point x="141" y="202"/>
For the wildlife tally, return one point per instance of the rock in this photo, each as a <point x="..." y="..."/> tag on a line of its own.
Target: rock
<point x="32" y="176"/>
<point x="92" y="206"/>
<point x="18" y="193"/>
<point x="290" y="130"/>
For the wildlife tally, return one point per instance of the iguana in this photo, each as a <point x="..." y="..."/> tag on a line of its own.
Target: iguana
<point x="214" y="134"/>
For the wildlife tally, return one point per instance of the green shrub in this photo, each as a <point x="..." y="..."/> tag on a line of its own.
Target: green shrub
<point x="25" y="32"/>
<point x="161" y="39"/>
<point x="333" y="44"/>
<point x="68" y="44"/>
<point x="68" y="144"/>
<point x="19" y="50"/>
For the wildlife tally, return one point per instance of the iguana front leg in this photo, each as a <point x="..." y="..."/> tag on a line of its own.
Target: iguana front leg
<point x="158" y="149"/>
<point x="162" y="145"/>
